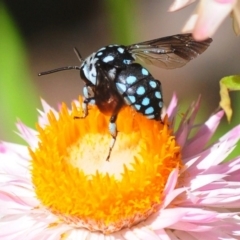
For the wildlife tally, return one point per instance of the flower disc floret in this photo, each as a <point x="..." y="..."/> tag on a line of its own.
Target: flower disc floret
<point x="75" y="182"/>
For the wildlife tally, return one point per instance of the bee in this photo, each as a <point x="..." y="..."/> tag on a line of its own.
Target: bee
<point x="116" y="79"/>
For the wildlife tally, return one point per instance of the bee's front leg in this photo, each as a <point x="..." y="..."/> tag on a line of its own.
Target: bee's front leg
<point x="88" y="99"/>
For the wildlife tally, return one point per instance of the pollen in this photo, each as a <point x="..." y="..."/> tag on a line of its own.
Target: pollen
<point x="73" y="180"/>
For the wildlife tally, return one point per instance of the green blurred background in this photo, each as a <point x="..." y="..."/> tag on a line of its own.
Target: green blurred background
<point x="40" y="35"/>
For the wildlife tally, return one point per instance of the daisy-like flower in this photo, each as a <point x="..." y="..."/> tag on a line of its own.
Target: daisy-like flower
<point x="208" y="16"/>
<point x="157" y="184"/>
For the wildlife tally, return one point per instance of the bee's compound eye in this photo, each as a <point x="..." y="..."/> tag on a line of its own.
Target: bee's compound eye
<point x="82" y="74"/>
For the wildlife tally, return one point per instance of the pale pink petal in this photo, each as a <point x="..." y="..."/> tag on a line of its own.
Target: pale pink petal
<point x="28" y="134"/>
<point x="14" y="163"/>
<point x="178" y="4"/>
<point x="47" y="108"/>
<point x="232" y="169"/>
<point x="73" y="234"/>
<point x="166" y="217"/>
<point x="145" y="233"/>
<point x="172" y="195"/>
<point x="211" y="14"/>
<point x="220" y="150"/>
<point x="202" y="180"/>
<point x="214" y="155"/>
<point x="198" y="215"/>
<point x="169" y="192"/>
<point x="129" y="235"/>
<point x="9" y="229"/>
<point x="232" y="134"/>
<point x="16" y="149"/>
<point x="43" y="120"/>
<point x="17" y="197"/>
<point x="191" y="23"/>
<point x="38" y="230"/>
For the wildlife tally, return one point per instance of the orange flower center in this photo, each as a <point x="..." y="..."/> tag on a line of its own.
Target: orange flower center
<point x="75" y="182"/>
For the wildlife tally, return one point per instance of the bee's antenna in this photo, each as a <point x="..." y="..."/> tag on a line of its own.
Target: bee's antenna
<point x="59" y="69"/>
<point x="65" y="68"/>
<point x="79" y="56"/>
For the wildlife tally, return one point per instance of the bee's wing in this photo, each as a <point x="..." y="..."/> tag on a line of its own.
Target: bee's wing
<point x="169" y="52"/>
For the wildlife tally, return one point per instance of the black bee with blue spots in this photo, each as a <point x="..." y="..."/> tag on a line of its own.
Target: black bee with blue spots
<point x="140" y="90"/>
<point x="115" y="79"/>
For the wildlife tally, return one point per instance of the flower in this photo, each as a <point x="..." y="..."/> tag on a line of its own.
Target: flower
<point x="208" y="16"/>
<point x="158" y="186"/>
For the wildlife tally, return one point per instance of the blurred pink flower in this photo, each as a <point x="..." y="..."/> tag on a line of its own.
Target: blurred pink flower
<point x="208" y="16"/>
<point x="201" y="199"/>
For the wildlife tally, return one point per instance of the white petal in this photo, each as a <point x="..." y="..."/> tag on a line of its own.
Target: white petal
<point x="145" y="233"/>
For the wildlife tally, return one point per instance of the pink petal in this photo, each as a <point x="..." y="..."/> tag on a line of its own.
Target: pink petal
<point x="234" y="133"/>
<point x="204" y="179"/>
<point x="171" y="182"/>
<point x="215" y="154"/>
<point x="172" y="108"/>
<point x="188" y="227"/>
<point x="187" y="123"/>
<point x="169" y="191"/>
<point x="3" y="148"/>
<point x="15" y="201"/>
<point x="201" y="138"/>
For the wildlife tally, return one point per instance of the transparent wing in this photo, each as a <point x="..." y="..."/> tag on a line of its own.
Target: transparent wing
<point x="169" y="52"/>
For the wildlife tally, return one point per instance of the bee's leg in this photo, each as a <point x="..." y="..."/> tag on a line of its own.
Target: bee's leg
<point x="113" y="131"/>
<point x="87" y="100"/>
<point x="90" y="100"/>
